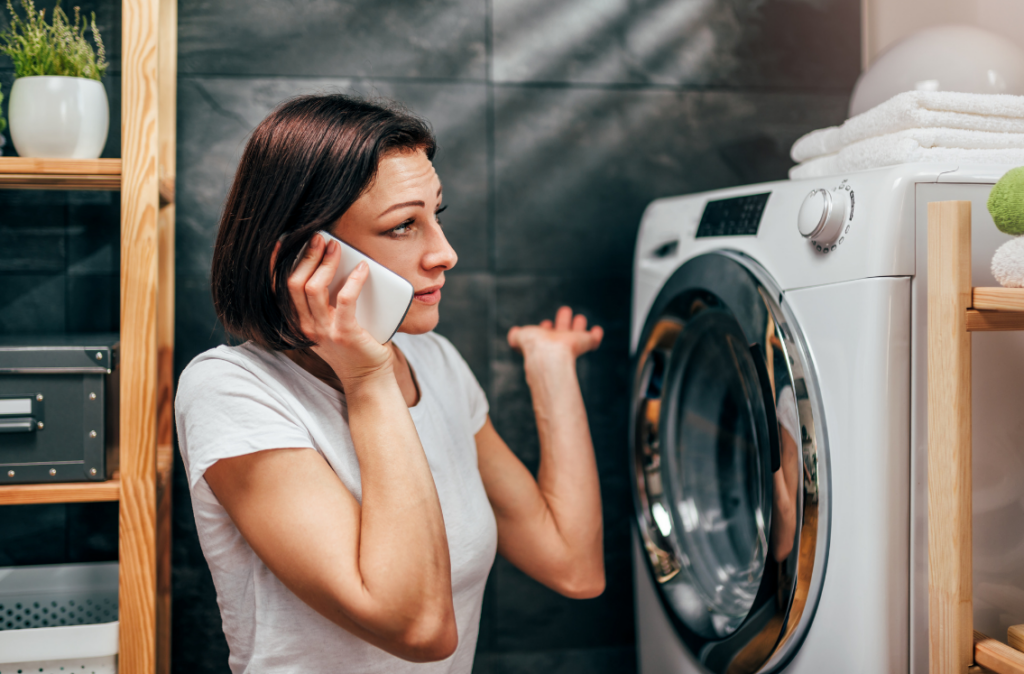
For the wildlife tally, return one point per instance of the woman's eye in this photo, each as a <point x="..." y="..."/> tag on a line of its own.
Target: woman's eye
<point x="402" y="228"/>
<point x="438" y="212"/>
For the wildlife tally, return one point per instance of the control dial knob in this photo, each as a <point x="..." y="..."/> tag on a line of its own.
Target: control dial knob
<point x="822" y="215"/>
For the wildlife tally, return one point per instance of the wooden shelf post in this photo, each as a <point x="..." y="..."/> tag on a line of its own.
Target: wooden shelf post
<point x="147" y="330"/>
<point x="950" y="619"/>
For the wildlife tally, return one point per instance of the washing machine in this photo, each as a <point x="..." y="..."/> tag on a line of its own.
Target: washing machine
<point x="778" y="427"/>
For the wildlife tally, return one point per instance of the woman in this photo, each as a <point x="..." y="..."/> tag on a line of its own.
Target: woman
<point x="349" y="496"/>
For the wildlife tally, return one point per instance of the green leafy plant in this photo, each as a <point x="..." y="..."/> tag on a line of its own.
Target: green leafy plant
<point x="3" y="120"/>
<point x="57" y="48"/>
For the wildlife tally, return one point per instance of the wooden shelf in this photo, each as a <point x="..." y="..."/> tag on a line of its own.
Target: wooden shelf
<point x="996" y="309"/>
<point x="27" y="173"/>
<point x="998" y="299"/>
<point x="65" y="492"/>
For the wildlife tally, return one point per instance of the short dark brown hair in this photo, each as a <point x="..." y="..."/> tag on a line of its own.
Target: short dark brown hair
<point x="303" y="167"/>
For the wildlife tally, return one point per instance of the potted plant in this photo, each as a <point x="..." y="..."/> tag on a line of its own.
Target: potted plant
<point x="58" y="105"/>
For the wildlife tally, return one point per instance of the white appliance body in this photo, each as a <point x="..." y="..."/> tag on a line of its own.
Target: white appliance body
<point x="858" y="315"/>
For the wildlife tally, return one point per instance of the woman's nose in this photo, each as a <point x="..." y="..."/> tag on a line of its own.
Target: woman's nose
<point x="440" y="252"/>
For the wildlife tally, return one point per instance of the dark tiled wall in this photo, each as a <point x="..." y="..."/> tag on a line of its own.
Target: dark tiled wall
<point x="557" y="122"/>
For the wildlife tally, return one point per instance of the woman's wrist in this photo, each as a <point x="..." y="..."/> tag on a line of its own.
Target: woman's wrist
<point x="362" y="382"/>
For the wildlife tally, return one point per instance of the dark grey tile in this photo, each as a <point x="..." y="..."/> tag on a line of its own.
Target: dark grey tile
<point x="112" y="148"/>
<point x="32" y="534"/>
<point x="716" y="43"/>
<point x="38" y="248"/>
<point x="94" y="240"/>
<point x="576" y="167"/>
<point x="615" y="660"/>
<point x="93" y="303"/>
<point x="530" y="617"/>
<point x="32" y="304"/>
<point x="196" y="327"/>
<point x="216" y="116"/>
<point x="522" y="300"/>
<point x="92" y="530"/>
<point x="467" y="319"/>
<point x="376" y="38"/>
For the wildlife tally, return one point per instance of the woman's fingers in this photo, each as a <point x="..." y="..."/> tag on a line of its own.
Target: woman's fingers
<point x="317" y="287"/>
<point x="513" y="337"/>
<point x="563" y="319"/>
<point x="307" y="264"/>
<point x="579" y="323"/>
<point x="345" y="314"/>
<point x="546" y="324"/>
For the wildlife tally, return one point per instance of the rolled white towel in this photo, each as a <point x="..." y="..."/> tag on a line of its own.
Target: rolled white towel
<point x="994" y="113"/>
<point x="869" y="155"/>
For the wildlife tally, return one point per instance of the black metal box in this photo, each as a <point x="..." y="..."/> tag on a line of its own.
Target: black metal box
<point x="58" y="408"/>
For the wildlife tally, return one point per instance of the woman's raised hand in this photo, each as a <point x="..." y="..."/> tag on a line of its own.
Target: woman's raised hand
<point x="567" y="334"/>
<point x="349" y="349"/>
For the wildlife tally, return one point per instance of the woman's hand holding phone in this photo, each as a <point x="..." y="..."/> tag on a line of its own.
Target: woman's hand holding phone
<point x="341" y="342"/>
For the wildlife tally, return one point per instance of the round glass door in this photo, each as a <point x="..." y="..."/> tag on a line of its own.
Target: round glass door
<point x="727" y="463"/>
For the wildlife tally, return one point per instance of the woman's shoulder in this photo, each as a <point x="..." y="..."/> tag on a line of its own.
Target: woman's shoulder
<point x="225" y="366"/>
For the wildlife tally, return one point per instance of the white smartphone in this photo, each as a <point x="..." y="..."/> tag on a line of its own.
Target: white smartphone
<point x="385" y="298"/>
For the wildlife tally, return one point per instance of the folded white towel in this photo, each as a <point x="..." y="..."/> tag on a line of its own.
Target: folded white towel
<point x="994" y="113"/>
<point x="874" y="155"/>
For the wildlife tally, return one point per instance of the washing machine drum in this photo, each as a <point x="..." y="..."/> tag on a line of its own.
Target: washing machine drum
<point x="730" y="465"/>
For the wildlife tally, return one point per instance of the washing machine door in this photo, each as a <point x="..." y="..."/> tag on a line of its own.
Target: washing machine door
<point x="730" y="460"/>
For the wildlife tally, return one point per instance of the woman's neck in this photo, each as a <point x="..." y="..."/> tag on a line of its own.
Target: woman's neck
<point x="318" y="367"/>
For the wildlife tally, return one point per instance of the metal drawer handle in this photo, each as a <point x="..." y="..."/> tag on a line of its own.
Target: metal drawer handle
<point x="17" y="424"/>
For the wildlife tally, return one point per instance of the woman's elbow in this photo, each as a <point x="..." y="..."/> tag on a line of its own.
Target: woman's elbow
<point x="582" y="585"/>
<point x="431" y="638"/>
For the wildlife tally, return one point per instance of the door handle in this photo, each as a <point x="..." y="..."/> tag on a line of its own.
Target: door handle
<point x="769" y="405"/>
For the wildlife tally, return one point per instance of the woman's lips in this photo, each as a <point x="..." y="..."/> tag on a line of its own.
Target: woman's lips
<point x="431" y="297"/>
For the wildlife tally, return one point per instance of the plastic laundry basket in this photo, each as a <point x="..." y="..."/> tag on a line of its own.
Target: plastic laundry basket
<point x="59" y="618"/>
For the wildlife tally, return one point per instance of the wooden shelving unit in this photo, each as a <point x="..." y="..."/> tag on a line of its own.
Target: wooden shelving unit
<point x="145" y="177"/>
<point x="955" y="310"/>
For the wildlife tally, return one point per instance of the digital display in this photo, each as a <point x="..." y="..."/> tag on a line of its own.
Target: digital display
<point x="738" y="216"/>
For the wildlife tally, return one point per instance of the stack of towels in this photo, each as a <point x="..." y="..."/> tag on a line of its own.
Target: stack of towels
<point x="918" y="126"/>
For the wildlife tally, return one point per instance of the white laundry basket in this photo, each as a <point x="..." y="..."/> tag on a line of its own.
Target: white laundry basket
<point x="59" y="618"/>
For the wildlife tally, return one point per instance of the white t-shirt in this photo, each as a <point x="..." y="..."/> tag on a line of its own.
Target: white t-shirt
<point x="237" y="400"/>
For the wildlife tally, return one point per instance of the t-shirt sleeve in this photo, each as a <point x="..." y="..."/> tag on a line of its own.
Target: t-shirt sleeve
<point x="224" y="411"/>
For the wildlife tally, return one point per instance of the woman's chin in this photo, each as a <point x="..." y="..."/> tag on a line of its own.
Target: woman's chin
<point x="420" y="319"/>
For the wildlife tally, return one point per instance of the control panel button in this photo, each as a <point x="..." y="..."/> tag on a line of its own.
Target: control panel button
<point x="822" y="215"/>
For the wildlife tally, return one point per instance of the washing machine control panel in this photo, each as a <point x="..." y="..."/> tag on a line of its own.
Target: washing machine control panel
<point x="825" y="215"/>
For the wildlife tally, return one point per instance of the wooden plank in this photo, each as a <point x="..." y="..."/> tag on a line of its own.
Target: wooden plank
<point x="997" y="656"/>
<point x="998" y="299"/>
<point x="67" y="492"/>
<point x="949" y="438"/>
<point x="167" y="86"/>
<point x="140" y="199"/>
<point x="994" y="321"/>
<point x="1015" y="637"/>
<point x="28" y="173"/>
<point x="37" y="166"/>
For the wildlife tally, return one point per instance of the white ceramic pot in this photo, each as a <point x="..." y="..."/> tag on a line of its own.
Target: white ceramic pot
<point x="58" y="117"/>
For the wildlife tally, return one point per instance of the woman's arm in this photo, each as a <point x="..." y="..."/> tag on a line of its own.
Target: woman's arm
<point x="550" y="527"/>
<point x="380" y="569"/>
